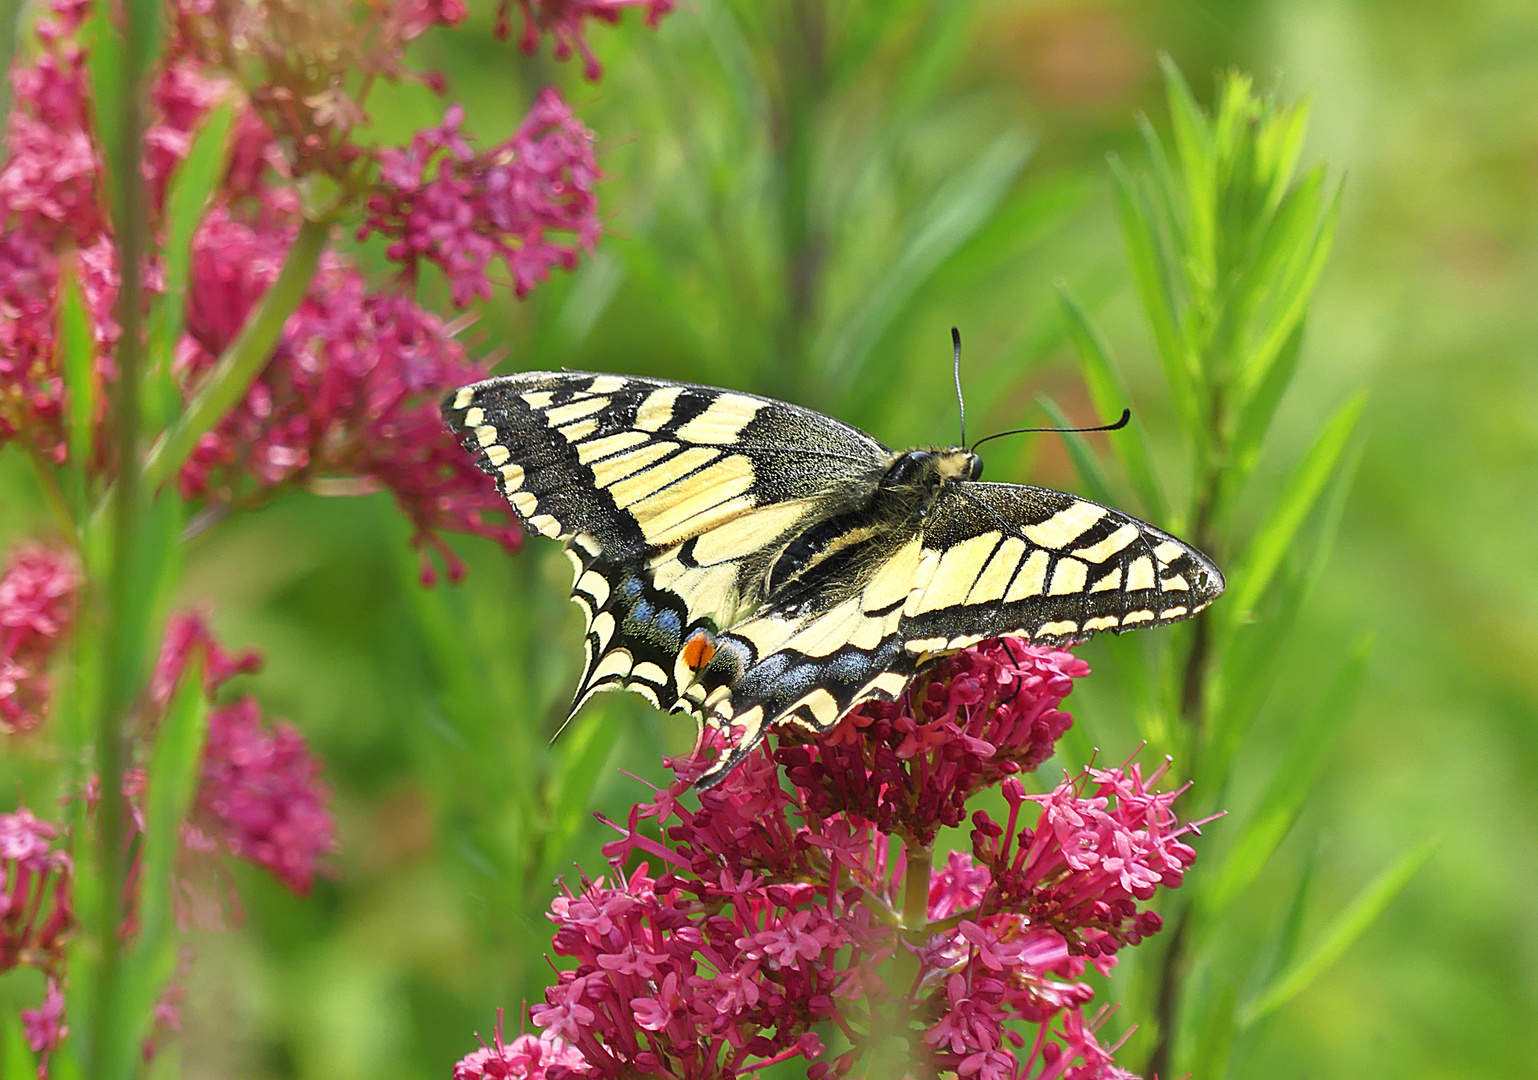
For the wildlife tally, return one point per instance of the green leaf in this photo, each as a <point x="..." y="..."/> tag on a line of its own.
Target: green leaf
<point x="191" y="189"/>
<point x="1254" y="650"/>
<point x="171" y="780"/>
<point x="581" y="754"/>
<point x="1257" y="412"/>
<point x="956" y="213"/>
<point x="77" y="360"/>
<point x="1340" y="934"/>
<point x="1150" y="275"/>
<point x="1215" y="1034"/>
<point x="1110" y="395"/>
<point x="243" y="361"/>
<point x="1257" y="566"/>
<point x="1198" y="168"/>
<point x="1294" y="290"/>
<point x="1283" y="800"/>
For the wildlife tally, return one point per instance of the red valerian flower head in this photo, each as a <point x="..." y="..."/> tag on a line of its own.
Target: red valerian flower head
<point x="1104" y="841"/>
<point x="187" y="636"/>
<point x="45" y="1027"/>
<point x="910" y="765"/>
<point x="38" y="596"/>
<point x="262" y="793"/>
<point x="562" y="20"/>
<point x="348" y="402"/>
<point x="35" y="910"/>
<point x="527" y="1057"/>
<point x="440" y="201"/>
<point x="779" y="911"/>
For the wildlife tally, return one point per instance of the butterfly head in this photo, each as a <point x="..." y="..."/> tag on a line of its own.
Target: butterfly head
<point x="959" y="463"/>
<point x="929" y="467"/>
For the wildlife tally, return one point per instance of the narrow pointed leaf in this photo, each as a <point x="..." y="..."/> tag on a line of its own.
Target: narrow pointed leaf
<point x="1091" y="476"/>
<point x="192" y="186"/>
<point x="1109" y="392"/>
<point x="1291" y="784"/>
<point x="1341" y="933"/>
<point x="77" y="356"/>
<point x="1256" y="568"/>
<point x="1151" y="278"/>
<point x="956" y="213"/>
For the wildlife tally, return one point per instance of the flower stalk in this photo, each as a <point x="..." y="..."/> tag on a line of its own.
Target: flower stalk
<point x="107" y="1052"/>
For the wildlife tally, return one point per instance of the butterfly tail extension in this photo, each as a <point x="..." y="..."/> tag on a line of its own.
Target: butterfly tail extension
<point x="633" y="631"/>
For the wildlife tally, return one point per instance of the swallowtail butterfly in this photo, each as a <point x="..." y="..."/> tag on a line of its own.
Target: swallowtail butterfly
<point x="755" y="563"/>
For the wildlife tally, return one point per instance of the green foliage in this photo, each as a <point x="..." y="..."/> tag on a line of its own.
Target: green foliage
<point x="1226" y="243"/>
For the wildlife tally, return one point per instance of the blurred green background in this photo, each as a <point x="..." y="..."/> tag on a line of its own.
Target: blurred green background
<point x="812" y="230"/>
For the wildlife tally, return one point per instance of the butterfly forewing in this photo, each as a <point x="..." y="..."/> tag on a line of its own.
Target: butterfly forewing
<point x="769" y="530"/>
<point x="1014" y="560"/>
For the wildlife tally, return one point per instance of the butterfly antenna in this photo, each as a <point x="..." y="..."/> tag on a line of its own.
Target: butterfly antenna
<point x="961" y="402"/>
<point x="1126" y="415"/>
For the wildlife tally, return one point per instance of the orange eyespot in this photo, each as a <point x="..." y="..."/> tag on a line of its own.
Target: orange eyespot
<point x="698" y="650"/>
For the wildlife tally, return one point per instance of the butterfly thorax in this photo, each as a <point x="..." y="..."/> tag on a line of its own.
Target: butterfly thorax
<point x="893" y="509"/>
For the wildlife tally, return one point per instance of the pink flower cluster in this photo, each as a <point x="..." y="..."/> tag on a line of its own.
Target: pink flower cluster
<point x="350" y="391"/>
<point x="259" y="797"/>
<point x="910" y="765"/>
<point x="442" y="202"/>
<point x="1104" y="843"/>
<point x="563" y="19"/>
<point x="781" y="911"/>
<point x="262" y="790"/>
<point x="38" y="590"/>
<point x="36" y="916"/>
<point x="35" y="910"/>
<point x="526" y="1056"/>
<point x="347" y="403"/>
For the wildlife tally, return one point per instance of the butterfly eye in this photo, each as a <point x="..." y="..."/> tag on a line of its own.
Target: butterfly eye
<point x="975" y="468"/>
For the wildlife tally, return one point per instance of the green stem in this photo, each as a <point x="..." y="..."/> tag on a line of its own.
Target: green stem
<point x="108" y="1033"/>
<point x="243" y="361"/>
<point x="916" y="886"/>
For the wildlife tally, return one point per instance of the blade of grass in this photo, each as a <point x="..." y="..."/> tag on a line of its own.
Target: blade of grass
<point x="192" y="187"/>
<point x="1290" y="785"/>
<point x="1257" y="566"/>
<point x="956" y="213"/>
<point x="1341" y="933"/>
<point x="243" y="361"/>
<point x="1110" y="395"/>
